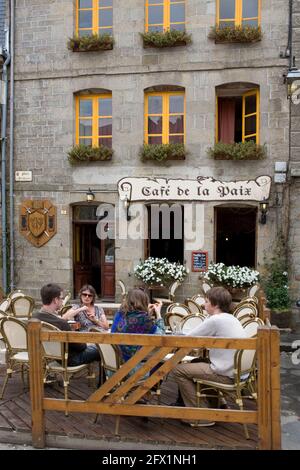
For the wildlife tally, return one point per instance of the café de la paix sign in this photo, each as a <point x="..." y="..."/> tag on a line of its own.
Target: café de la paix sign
<point x="199" y="189"/>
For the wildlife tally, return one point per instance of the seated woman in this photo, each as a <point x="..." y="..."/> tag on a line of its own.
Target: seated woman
<point x="137" y="315"/>
<point x="87" y="313"/>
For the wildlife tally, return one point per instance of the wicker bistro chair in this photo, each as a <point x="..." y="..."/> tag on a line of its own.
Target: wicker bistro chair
<point x="245" y="311"/>
<point x="14" y="334"/>
<point x="251" y="327"/>
<point x="22" y="307"/>
<point x="199" y="299"/>
<point x="244" y="380"/>
<point x="4" y="306"/>
<point x="190" y="322"/>
<point x="193" y="306"/>
<point x="56" y="361"/>
<point x="171" y="296"/>
<point x="64" y="309"/>
<point x="15" y="294"/>
<point x="123" y="288"/>
<point x="173" y="320"/>
<point x="177" y="307"/>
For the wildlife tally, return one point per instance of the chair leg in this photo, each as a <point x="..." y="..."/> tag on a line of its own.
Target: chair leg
<point x="117" y="427"/>
<point x="239" y="401"/>
<point x="66" y="383"/>
<point x="4" y="386"/>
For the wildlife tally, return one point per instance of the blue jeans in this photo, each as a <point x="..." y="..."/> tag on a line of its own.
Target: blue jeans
<point x="90" y="354"/>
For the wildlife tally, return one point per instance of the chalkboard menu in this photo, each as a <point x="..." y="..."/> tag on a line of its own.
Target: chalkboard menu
<point x="199" y="261"/>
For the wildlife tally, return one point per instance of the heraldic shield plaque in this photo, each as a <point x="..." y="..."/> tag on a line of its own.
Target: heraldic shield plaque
<point x="38" y="221"/>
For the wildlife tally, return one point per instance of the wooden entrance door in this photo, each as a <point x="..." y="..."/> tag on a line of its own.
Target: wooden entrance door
<point x="93" y="259"/>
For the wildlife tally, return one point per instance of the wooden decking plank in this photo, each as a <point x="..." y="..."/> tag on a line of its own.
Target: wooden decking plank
<point x="16" y="423"/>
<point x="4" y="424"/>
<point x="19" y="410"/>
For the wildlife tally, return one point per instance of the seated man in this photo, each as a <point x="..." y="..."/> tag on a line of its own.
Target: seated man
<point x="220" y="367"/>
<point x="79" y="353"/>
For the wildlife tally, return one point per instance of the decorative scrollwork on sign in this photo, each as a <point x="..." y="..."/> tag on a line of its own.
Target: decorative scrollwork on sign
<point x="38" y="221"/>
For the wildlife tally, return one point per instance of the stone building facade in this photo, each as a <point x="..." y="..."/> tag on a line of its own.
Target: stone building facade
<point x="48" y="77"/>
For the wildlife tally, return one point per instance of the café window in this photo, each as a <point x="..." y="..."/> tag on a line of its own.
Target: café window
<point x="237" y="114"/>
<point x="238" y="13"/>
<point x="165" y="232"/>
<point x="94" y="120"/>
<point x="94" y="17"/>
<point x="165" y="117"/>
<point x="163" y="15"/>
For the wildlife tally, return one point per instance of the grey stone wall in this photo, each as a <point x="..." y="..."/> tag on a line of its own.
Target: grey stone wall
<point x="48" y="75"/>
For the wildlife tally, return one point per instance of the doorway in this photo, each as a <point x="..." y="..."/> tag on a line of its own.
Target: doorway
<point x="236" y="235"/>
<point x="93" y="259"/>
<point x="165" y="232"/>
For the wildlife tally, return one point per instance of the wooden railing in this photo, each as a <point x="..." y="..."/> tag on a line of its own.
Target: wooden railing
<point x="124" y="392"/>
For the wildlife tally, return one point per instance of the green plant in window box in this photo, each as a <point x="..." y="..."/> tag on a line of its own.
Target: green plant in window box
<point x="248" y="150"/>
<point x="87" y="153"/>
<point x="170" y="38"/>
<point x="233" y="34"/>
<point x="93" y="42"/>
<point x="163" y="152"/>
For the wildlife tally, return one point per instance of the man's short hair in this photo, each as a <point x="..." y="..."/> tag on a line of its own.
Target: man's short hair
<point x="220" y="297"/>
<point x="50" y="292"/>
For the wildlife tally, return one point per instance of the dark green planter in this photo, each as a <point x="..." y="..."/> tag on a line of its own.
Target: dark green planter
<point x="281" y="318"/>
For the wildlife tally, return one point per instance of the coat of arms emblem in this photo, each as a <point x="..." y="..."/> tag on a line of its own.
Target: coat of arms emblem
<point x="38" y="221"/>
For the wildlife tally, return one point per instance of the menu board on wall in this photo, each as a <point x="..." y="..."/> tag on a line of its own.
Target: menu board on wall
<point x="199" y="261"/>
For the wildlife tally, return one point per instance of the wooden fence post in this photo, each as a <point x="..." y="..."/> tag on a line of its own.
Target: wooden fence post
<point x="275" y="388"/>
<point x="36" y="384"/>
<point x="263" y="388"/>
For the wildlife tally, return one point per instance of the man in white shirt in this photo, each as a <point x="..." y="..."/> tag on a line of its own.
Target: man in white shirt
<point x="220" y="367"/>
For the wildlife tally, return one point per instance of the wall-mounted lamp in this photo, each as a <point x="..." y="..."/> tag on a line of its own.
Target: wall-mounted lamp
<point x="90" y="196"/>
<point x="292" y="79"/>
<point x="126" y="205"/>
<point x="263" y="207"/>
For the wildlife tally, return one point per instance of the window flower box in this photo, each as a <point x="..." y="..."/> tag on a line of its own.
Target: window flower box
<point x="231" y="277"/>
<point x="84" y="153"/>
<point x="237" y="151"/>
<point x="235" y="34"/>
<point x="94" y="42"/>
<point x="172" y="38"/>
<point x="163" y="152"/>
<point x="160" y="272"/>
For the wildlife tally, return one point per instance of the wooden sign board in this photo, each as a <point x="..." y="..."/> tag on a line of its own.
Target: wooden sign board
<point x="199" y="261"/>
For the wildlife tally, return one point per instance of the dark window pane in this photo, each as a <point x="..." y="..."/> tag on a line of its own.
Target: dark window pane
<point x="85" y="19"/>
<point x="250" y="8"/>
<point x="227" y="9"/>
<point x="176" y="124"/>
<point x="250" y="22"/>
<point x="85" y="213"/>
<point x="85" y="32"/>
<point x="105" y="107"/>
<point x="250" y="125"/>
<point x="85" y="3"/>
<point x="85" y="127"/>
<point x="156" y="28"/>
<point x="154" y="125"/>
<point x="105" y="127"/>
<point x="248" y="139"/>
<point x="155" y="105"/>
<point x="226" y="24"/>
<point x="106" y="142"/>
<point x="178" y="27"/>
<point x="155" y="140"/>
<point x="176" y="139"/>
<point x="105" y="3"/>
<point x="177" y="13"/>
<point x="250" y="104"/>
<point x="156" y="15"/>
<point x="85" y="108"/>
<point x="176" y="104"/>
<point x="85" y="142"/>
<point x="105" y="31"/>
<point x="105" y="17"/>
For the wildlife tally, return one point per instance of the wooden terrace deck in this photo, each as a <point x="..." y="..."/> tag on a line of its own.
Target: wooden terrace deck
<point x="78" y="430"/>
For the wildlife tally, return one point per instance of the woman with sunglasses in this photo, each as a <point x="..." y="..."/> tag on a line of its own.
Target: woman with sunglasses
<point x="87" y="313"/>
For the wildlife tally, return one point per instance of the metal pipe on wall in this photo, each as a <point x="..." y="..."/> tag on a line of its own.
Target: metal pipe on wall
<point x="11" y="148"/>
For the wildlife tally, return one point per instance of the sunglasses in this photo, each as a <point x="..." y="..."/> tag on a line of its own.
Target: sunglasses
<point x="86" y="294"/>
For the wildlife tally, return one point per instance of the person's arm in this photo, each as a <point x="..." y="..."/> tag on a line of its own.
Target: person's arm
<point x="115" y="322"/>
<point x="72" y="312"/>
<point x="206" y="328"/>
<point x="99" y="318"/>
<point x="155" y="310"/>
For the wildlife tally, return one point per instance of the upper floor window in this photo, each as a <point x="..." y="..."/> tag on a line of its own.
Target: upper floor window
<point x="237" y="115"/>
<point x="164" y="117"/>
<point x="94" y="17"/>
<point x="238" y="12"/>
<point x="94" y="120"/>
<point x="163" y="15"/>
